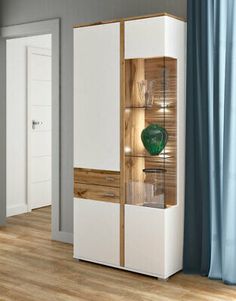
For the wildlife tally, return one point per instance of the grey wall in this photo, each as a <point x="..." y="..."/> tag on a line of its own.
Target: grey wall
<point x="73" y="12"/>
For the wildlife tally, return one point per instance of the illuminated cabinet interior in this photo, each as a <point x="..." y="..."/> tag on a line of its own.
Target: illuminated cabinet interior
<point x="129" y="128"/>
<point x="150" y="98"/>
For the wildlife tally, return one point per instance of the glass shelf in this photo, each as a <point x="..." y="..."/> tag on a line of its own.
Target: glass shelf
<point x="153" y="107"/>
<point x="160" y="157"/>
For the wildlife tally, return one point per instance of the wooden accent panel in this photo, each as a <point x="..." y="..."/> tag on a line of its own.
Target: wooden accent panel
<point x="97" y="177"/>
<point x="134" y="118"/>
<point x="134" y="73"/>
<point x="134" y="124"/>
<point x="130" y="19"/>
<point x="165" y="94"/>
<point x="97" y="192"/>
<point x="122" y="144"/>
<point x="170" y="124"/>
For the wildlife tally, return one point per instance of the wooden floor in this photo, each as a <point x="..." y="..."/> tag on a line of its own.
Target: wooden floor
<point x="32" y="267"/>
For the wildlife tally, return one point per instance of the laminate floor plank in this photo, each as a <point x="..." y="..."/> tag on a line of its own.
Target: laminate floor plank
<point x="35" y="268"/>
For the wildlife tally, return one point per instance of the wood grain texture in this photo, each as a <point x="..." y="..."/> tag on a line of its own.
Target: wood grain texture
<point x="34" y="268"/>
<point x="134" y="72"/>
<point x="122" y="144"/>
<point x="162" y="71"/>
<point x="97" y="177"/>
<point x="97" y="192"/>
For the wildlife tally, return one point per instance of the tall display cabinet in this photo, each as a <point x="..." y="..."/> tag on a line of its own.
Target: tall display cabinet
<point x="129" y="119"/>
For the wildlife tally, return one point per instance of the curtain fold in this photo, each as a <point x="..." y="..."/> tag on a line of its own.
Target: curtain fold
<point x="210" y="196"/>
<point x="223" y="201"/>
<point x="197" y="206"/>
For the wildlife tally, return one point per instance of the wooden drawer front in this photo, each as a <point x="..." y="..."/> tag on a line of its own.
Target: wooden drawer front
<point x="97" y="177"/>
<point x="97" y="192"/>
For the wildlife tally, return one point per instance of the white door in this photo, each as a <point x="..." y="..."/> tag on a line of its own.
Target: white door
<point x="39" y="127"/>
<point x="97" y="97"/>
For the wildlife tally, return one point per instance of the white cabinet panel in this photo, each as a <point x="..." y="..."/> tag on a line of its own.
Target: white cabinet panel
<point x="96" y="231"/>
<point x="153" y="37"/>
<point x="145" y="38"/>
<point x="174" y="237"/>
<point x="175" y="40"/>
<point x="144" y="239"/>
<point x="154" y="240"/>
<point x="97" y="97"/>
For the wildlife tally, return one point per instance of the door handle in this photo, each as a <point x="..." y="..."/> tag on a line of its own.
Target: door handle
<point x="36" y="122"/>
<point x="109" y="194"/>
<point x="110" y="179"/>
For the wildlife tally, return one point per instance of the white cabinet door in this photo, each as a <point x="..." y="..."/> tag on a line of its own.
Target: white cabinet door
<point x="154" y="240"/>
<point x="96" y="231"/>
<point x="97" y="97"/>
<point x="155" y="37"/>
<point x="145" y="240"/>
<point x="145" y="38"/>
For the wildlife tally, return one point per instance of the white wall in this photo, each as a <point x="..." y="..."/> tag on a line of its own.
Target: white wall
<point x="16" y="119"/>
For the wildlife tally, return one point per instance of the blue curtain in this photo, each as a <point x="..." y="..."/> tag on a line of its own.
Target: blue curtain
<point x="210" y="195"/>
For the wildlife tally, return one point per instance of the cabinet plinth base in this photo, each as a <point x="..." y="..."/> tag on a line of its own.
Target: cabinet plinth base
<point x="157" y="276"/>
<point x="163" y="279"/>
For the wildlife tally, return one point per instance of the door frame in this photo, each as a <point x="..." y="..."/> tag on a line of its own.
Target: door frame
<point x="23" y="30"/>
<point x="30" y="51"/>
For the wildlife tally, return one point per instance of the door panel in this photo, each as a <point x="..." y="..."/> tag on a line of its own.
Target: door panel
<point x="42" y="93"/>
<point x="41" y="66"/>
<point x="41" y="169"/>
<point x="141" y="38"/>
<point x="43" y="115"/>
<point x="144" y="239"/>
<point x="96" y="231"/>
<point x="39" y="127"/>
<point x="41" y="193"/>
<point x="41" y="144"/>
<point x="97" y="97"/>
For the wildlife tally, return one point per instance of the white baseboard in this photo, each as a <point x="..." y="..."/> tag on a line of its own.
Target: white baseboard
<point x="40" y="205"/>
<point x="16" y="209"/>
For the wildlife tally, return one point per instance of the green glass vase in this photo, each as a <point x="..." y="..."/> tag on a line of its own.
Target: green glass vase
<point x="154" y="138"/>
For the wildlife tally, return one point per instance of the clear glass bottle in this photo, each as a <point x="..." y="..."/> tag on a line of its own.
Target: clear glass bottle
<point x="154" y="194"/>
